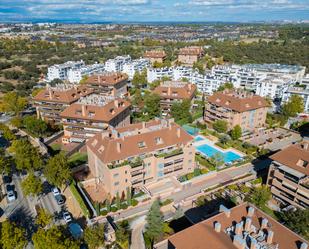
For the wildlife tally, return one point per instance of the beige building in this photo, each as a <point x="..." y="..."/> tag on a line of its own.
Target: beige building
<point x="109" y="84"/>
<point x="93" y="114"/>
<point x="138" y="154"/>
<point x="51" y="101"/>
<point x="288" y="175"/>
<point x="155" y="55"/>
<point x="241" y="227"/>
<point x="172" y="92"/>
<point x="190" y="55"/>
<point x="237" y="108"/>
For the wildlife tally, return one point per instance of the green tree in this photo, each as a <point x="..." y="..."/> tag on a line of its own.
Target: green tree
<point x="225" y="139"/>
<point x="260" y="196"/>
<point x="17" y="122"/>
<point x="217" y="159"/>
<point x="294" y="106"/>
<point x="35" y="126"/>
<point x="7" y="133"/>
<point x="26" y="156"/>
<point x="137" y="98"/>
<point x="154" y="226"/>
<point x="236" y="132"/>
<point x="123" y="234"/>
<point x="220" y="126"/>
<point x="152" y="105"/>
<point x="117" y="200"/>
<point x="94" y="236"/>
<point x="129" y="196"/>
<point x="5" y="162"/>
<point x="226" y="85"/>
<point x="32" y="185"/>
<point x="12" y="236"/>
<point x="11" y="102"/>
<point x="180" y="111"/>
<point x="139" y="79"/>
<point x="43" y="218"/>
<point x="57" y="170"/>
<point x="53" y="238"/>
<point x="199" y="65"/>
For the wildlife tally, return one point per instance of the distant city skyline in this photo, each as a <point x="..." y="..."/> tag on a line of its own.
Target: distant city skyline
<point x="153" y="10"/>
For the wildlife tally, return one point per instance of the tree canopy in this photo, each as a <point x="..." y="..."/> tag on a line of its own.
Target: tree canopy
<point x="11" y="102"/>
<point x="236" y="132"/>
<point x="294" y="106"/>
<point x="32" y="185"/>
<point x="123" y="234"/>
<point x="226" y="85"/>
<point x="220" y="126"/>
<point x="152" y="105"/>
<point x="180" y="111"/>
<point x="94" y="236"/>
<point x="43" y="218"/>
<point x="36" y="127"/>
<point x="260" y="196"/>
<point x="12" y="236"/>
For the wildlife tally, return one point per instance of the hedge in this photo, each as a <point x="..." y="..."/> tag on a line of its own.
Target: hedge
<point x="79" y="199"/>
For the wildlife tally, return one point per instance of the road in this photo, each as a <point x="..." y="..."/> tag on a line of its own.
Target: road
<point x="137" y="226"/>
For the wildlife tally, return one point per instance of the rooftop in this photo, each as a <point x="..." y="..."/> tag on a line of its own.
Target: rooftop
<point x="239" y="101"/>
<point x="193" y="50"/>
<point x="243" y="226"/>
<point x="154" y="54"/>
<point x="295" y="156"/>
<point x="106" y="79"/>
<point x="176" y="90"/>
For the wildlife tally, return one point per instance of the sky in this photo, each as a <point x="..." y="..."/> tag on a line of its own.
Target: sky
<point x="153" y="10"/>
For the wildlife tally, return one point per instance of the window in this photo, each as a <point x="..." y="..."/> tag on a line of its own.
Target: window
<point x="141" y="144"/>
<point x="116" y="175"/>
<point x="158" y="140"/>
<point x="116" y="183"/>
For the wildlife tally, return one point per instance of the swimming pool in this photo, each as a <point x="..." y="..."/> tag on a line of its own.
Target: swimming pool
<point x="198" y="138"/>
<point x="209" y="151"/>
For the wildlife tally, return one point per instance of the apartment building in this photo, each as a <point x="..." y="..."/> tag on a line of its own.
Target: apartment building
<point x="237" y="108"/>
<point x="75" y="75"/>
<point x="135" y="66"/>
<point x="109" y="84"/>
<point x="116" y="64"/>
<point x="93" y="114"/>
<point x="138" y="154"/>
<point x="51" y="101"/>
<point x="172" y="92"/>
<point x="241" y="227"/>
<point x="60" y="71"/>
<point x="302" y="91"/>
<point x="155" y="56"/>
<point x="154" y="74"/>
<point x="288" y="175"/>
<point x="190" y="55"/>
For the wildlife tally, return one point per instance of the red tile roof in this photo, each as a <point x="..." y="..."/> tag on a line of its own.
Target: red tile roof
<point x="106" y="79"/>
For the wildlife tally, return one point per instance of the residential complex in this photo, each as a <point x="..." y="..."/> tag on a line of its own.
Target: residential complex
<point x="288" y="175"/>
<point x="75" y="75"/>
<point x="190" y="55"/>
<point x="93" y="114"/>
<point x="172" y="92"/>
<point x="155" y="55"/>
<point x="51" y="101"/>
<point x="135" y="66"/>
<point x="302" y="91"/>
<point x="116" y="64"/>
<point x="237" y="108"/>
<point x="109" y="84"/>
<point x="61" y="71"/>
<point x="138" y="154"/>
<point x="241" y="227"/>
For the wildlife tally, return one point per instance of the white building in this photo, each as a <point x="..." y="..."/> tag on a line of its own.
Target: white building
<point x="305" y="80"/>
<point x="60" y="71"/>
<point x="138" y="65"/>
<point x="303" y="92"/>
<point x="116" y="64"/>
<point x="76" y="74"/>
<point x="154" y="74"/>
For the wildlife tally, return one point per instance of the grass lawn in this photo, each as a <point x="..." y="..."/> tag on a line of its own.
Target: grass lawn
<point x="55" y="147"/>
<point x="78" y="159"/>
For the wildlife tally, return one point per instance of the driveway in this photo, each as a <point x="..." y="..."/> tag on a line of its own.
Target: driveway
<point x="137" y="227"/>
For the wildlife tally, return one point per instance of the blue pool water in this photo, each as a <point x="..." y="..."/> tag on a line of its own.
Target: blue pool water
<point x="196" y="139"/>
<point x="209" y="151"/>
<point x="190" y="130"/>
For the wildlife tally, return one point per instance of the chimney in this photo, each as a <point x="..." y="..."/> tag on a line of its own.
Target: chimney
<point x="238" y="228"/>
<point x="84" y="110"/>
<point x="50" y="93"/>
<point x="143" y="125"/>
<point x="227" y="211"/>
<point x="250" y="211"/>
<point x="239" y="242"/>
<point x="253" y="243"/>
<point x="248" y="224"/>
<point x="168" y="91"/>
<point x="270" y="236"/>
<point x="116" y="103"/>
<point x="178" y="132"/>
<point x="306" y="146"/>
<point x="218" y="227"/>
<point x="99" y="79"/>
<point x="264" y="223"/>
<point x="304" y="245"/>
<point x="118" y="147"/>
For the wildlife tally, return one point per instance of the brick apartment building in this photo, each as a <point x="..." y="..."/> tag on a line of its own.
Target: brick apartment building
<point x="237" y="108"/>
<point x="155" y="56"/>
<point x="93" y="114"/>
<point x="288" y="175"/>
<point x="190" y="55"/>
<point x="171" y="92"/>
<point x="51" y="101"/>
<point x="241" y="227"/>
<point x="109" y="84"/>
<point x="138" y="154"/>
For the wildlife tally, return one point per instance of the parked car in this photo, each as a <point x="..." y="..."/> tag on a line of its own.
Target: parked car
<point x="67" y="217"/>
<point x="56" y="191"/>
<point x="11" y="195"/>
<point x="7" y="179"/>
<point x="59" y="199"/>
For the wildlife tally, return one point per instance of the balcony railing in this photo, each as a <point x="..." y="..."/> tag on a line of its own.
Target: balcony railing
<point x="172" y="153"/>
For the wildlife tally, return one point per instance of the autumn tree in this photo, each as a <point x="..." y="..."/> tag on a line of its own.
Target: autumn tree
<point x="11" y="102"/>
<point x="12" y="236"/>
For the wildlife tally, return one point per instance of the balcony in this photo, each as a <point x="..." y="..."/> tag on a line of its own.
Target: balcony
<point x="136" y="162"/>
<point x="172" y="153"/>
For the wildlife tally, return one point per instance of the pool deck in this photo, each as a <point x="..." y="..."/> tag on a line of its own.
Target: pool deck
<point x="212" y="143"/>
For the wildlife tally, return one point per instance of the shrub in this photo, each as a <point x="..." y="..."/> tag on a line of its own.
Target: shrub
<point x="166" y="202"/>
<point x="114" y="209"/>
<point x="134" y="202"/>
<point x="79" y="199"/>
<point x="123" y="206"/>
<point x="103" y="212"/>
<point x="190" y="176"/>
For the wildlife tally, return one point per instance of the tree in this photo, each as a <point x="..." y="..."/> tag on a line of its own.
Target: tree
<point x="137" y="98"/>
<point x="5" y="162"/>
<point x="123" y="234"/>
<point x="35" y="126"/>
<point x="84" y="79"/>
<point x="94" y="236"/>
<point x="152" y="105"/>
<point x="180" y="111"/>
<point x="139" y="79"/>
<point x="57" y="170"/>
<point x="17" y="122"/>
<point x="217" y="159"/>
<point x="32" y="185"/>
<point x="294" y="106"/>
<point x="129" y="196"/>
<point x="26" y="156"/>
<point x="155" y="221"/>
<point x="220" y="126"/>
<point x="11" y="102"/>
<point x="117" y="200"/>
<point x="53" y="238"/>
<point x="12" y="236"/>
<point x="199" y="65"/>
<point x="260" y="196"/>
<point x="7" y="133"/>
<point x="226" y="85"/>
<point x="224" y="139"/>
<point x="297" y="220"/>
<point x="43" y="218"/>
<point x="236" y="132"/>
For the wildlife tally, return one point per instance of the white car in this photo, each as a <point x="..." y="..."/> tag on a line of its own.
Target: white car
<point x="11" y="196"/>
<point x="56" y="191"/>
<point x="67" y="217"/>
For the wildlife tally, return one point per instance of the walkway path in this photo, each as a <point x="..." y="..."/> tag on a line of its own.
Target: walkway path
<point x="137" y="227"/>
